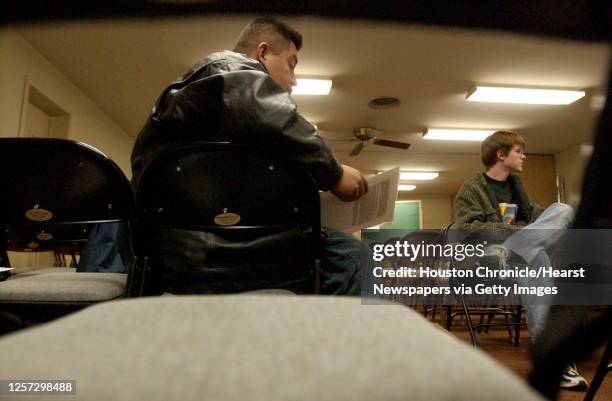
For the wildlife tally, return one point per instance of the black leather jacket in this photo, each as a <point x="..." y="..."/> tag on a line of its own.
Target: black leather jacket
<point x="230" y="97"/>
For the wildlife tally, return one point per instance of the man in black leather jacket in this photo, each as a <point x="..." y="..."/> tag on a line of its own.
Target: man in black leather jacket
<point x="244" y="96"/>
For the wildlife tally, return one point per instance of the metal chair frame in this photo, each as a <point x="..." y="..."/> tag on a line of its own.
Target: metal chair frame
<point x="515" y="313"/>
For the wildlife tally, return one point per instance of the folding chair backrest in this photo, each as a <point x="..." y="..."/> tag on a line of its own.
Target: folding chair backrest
<point x="219" y="217"/>
<point x="54" y="190"/>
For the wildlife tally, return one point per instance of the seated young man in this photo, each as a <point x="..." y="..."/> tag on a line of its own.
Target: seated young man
<point x="496" y="200"/>
<point x="244" y="96"/>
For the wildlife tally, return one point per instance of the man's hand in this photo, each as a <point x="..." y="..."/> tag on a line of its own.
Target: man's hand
<point x="351" y="186"/>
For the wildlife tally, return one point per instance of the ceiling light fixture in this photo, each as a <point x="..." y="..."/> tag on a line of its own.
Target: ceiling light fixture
<point x="523" y="95"/>
<point x="457" y="134"/>
<point x="306" y="86"/>
<point x="418" y="175"/>
<point x="405" y="187"/>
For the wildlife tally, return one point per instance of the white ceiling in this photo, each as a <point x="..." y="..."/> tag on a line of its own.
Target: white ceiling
<point x="124" y="65"/>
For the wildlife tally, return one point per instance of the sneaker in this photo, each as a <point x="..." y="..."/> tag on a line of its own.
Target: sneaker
<point x="495" y="257"/>
<point x="571" y="379"/>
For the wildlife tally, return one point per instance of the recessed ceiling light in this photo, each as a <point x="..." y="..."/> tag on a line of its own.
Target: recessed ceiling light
<point x="406" y="187"/>
<point x="523" y="95"/>
<point x="457" y="134"/>
<point x="306" y="86"/>
<point x="418" y="175"/>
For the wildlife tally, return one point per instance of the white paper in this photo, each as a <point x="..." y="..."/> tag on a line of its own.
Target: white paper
<point x="375" y="207"/>
<point x="5" y="269"/>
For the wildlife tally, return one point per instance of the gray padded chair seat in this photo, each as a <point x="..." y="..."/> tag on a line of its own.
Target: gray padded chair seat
<point x="61" y="285"/>
<point x="255" y="347"/>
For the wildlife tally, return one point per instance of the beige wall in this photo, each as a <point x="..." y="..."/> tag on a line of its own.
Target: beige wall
<point x="539" y="179"/>
<point x="89" y="124"/>
<point x="570" y="164"/>
<point x="436" y="209"/>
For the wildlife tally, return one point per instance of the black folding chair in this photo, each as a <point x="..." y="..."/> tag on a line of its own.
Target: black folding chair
<point x="222" y="218"/>
<point x="54" y="191"/>
<point x="511" y="313"/>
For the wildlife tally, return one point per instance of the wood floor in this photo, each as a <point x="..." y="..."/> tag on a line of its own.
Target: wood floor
<point x="497" y="344"/>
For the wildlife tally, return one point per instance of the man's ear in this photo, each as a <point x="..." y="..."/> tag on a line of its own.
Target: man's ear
<point x="261" y="51"/>
<point x="500" y="154"/>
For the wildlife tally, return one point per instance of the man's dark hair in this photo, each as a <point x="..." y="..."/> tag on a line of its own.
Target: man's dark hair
<point x="499" y="140"/>
<point x="267" y="29"/>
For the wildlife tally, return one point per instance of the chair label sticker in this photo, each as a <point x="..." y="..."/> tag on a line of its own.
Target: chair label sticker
<point x="43" y="236"/>
<point x="39" y="214"/>
<point x="227" y="219"/>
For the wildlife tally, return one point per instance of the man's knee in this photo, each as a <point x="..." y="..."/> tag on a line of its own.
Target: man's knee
<point x="564" y="210"/>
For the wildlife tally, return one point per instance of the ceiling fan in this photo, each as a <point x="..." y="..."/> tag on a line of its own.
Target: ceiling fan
<point x="368" y="135"/>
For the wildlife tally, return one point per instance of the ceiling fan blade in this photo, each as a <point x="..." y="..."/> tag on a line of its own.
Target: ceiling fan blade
<point x="392" y="144"/>
<point x="357" y="149"/>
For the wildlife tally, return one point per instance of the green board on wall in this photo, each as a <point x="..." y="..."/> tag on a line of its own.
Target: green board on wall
<point x="407" y="216"/>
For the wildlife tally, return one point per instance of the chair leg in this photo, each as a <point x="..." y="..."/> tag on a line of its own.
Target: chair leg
<point x="508" y="325"/>
<point x="449" y="317"/>
<point x="489" y="320"/>
<point x="73" y="262"/>
<point x="600" y="373"/>
<point x="480" y="323"/>
<point x="132" y="278"/>
<point x="517" y="325"/>
<point x="143" y="276"/>
<point x="469" y="322"/>
<point x="4" y="260"/>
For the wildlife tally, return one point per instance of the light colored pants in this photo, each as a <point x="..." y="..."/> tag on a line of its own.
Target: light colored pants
<point x="532" y="244"/>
